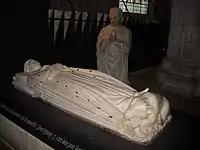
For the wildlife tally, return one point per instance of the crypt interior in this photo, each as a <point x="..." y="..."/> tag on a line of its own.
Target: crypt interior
<point x="164" y="57"/>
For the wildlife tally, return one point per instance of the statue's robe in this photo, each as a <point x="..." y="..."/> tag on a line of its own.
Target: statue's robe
<point x="112" y="55"/>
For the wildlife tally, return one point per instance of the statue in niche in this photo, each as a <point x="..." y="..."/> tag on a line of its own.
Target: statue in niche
<point x="113" y="46"/>
<point x="97" y="98"/>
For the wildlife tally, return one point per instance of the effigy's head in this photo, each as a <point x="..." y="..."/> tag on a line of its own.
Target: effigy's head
<point x="31" y="65"/>
<point x="139" y="108"/>
<point x="115" y="15"/>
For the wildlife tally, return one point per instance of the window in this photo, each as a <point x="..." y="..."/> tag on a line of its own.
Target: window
<point x="134" y="6"/>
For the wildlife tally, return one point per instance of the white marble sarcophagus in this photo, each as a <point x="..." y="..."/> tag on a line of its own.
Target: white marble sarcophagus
<point x="97" y="98"/>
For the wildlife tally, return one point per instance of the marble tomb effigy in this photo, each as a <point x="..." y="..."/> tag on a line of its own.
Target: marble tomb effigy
<point x="98" y="98"/>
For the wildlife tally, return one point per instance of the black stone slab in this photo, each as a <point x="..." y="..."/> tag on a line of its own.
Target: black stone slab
<point x="66" y="131"/>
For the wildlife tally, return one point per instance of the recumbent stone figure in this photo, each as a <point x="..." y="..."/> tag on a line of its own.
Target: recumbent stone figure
<point x="97" y="98"/>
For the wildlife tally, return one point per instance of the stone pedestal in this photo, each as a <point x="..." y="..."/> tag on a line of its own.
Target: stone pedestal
<point x="180" y="69"/>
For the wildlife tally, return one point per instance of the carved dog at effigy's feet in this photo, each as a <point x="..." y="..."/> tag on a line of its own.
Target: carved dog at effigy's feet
<point x="97" y="98"/>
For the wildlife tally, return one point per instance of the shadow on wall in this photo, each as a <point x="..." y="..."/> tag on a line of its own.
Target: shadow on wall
<point x="73" y="39"/>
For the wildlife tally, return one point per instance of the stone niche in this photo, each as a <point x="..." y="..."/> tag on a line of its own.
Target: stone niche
<point x="180" y="69"/>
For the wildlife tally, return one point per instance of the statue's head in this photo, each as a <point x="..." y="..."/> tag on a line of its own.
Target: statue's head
<point x="140" y="108"/>
<point x="31" y="65"/>
<point x="115" y="15"/>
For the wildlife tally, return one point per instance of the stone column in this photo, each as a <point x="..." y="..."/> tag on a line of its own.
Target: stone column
<point x="180" y="69"/>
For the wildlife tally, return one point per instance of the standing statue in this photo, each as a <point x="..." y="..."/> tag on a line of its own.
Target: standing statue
<point x="97" y="98"/>
<point x="113" y="46"/>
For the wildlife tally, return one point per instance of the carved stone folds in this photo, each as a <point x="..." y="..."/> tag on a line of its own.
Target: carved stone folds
<point x="97" y="98"/>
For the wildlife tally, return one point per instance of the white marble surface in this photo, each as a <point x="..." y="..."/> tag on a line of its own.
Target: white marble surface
<point x="113" y="47"/>
<point x="97" y="98"/>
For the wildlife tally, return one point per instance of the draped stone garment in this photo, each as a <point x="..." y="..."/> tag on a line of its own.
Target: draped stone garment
<point x="112" y="55"/>
<point x="96" y="97"/>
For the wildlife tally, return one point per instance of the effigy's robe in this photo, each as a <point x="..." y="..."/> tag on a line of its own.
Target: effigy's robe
<point x="112" y="55"/>
<point x="97" y="98"/>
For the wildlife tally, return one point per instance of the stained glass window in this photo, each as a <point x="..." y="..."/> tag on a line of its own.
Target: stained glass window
<point x="134" y="6"/>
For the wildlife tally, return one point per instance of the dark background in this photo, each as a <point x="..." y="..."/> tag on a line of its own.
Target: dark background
<point x="84" y="5"/>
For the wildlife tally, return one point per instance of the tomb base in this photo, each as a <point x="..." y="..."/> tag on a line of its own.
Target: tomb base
<point x="179" y="77"/>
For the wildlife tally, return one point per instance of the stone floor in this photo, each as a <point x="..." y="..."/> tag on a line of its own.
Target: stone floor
<point x="147" y="79"/>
